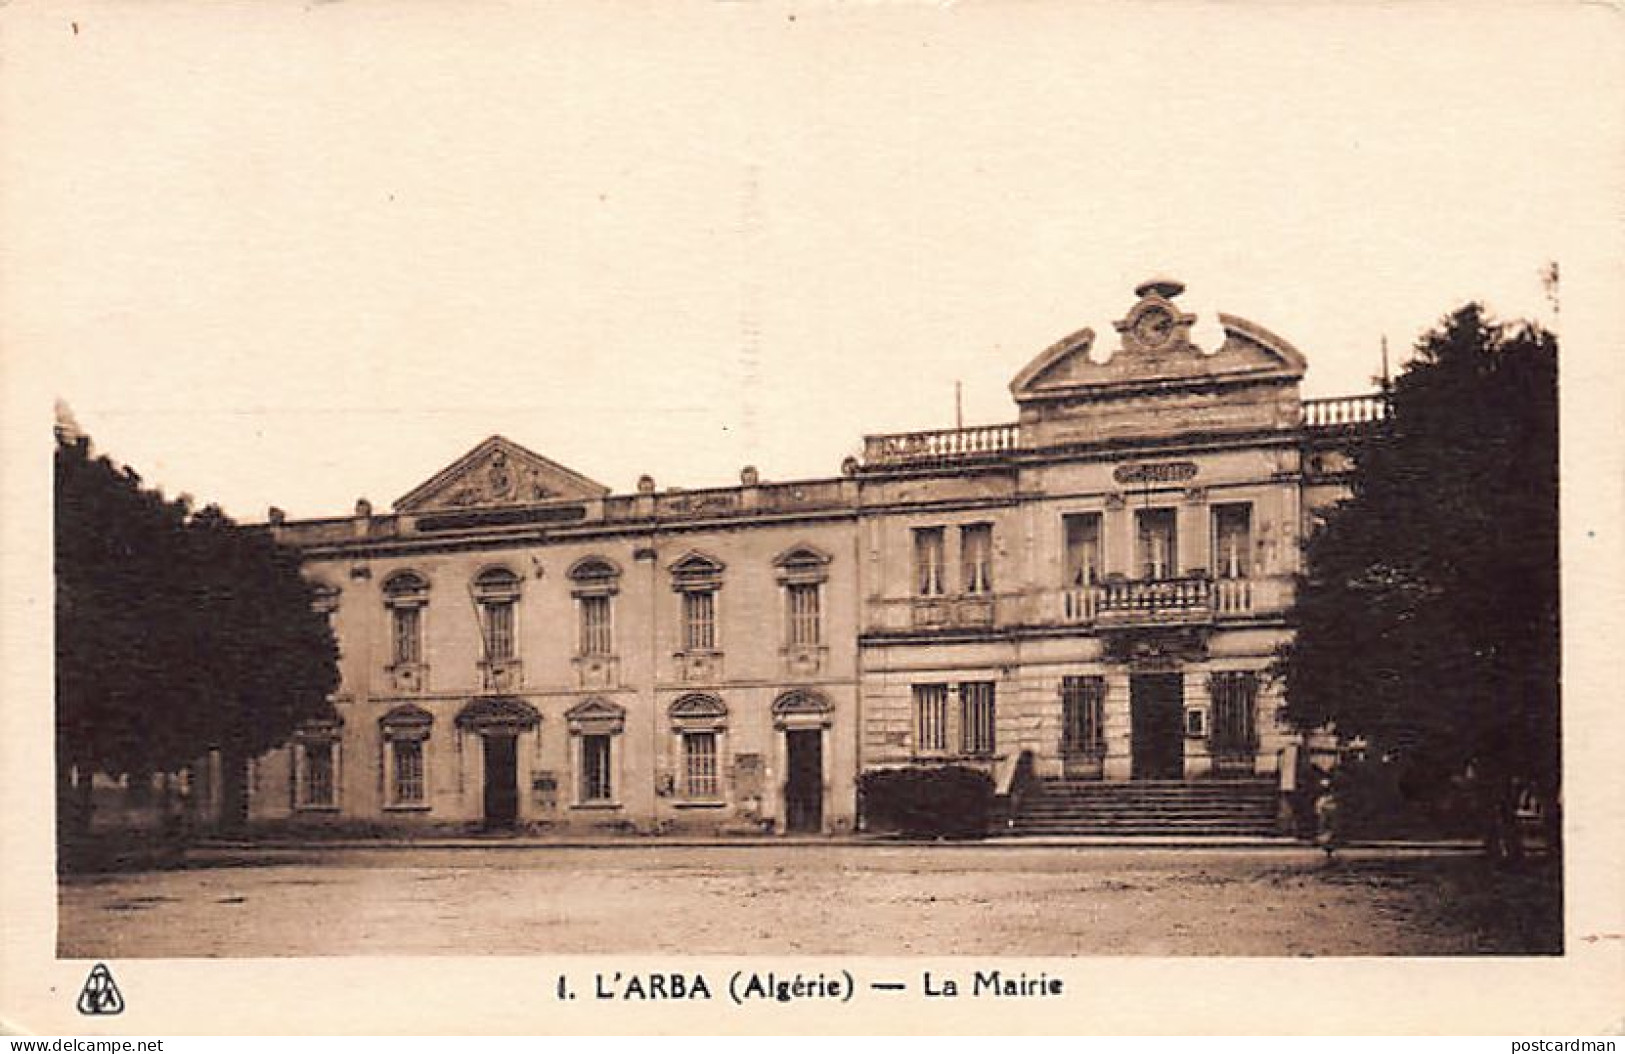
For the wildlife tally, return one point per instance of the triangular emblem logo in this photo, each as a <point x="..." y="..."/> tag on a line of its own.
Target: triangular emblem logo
<point x="101" y="995"/>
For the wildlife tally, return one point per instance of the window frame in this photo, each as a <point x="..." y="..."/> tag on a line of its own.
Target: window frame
<point x="406" y="723"/>
<point x="1144" y="563"/>
<point x="1242" y="568"/>
<point x="976" y="561"/>
<point x="930" y="561"/>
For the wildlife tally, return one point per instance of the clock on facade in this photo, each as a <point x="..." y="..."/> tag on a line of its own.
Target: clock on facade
<point x="1154" y="326"/>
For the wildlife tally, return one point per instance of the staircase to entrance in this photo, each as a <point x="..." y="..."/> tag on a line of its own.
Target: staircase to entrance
<point x="1243" y="808"/>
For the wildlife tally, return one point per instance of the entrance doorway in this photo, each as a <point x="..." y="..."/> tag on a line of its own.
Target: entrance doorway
<point x="1156" y="702"/>
<point x="804" y="782"/>
<point x="501" y="780"/>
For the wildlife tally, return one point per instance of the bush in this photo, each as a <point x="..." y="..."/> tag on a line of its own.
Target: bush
<point x="943" y="801"/>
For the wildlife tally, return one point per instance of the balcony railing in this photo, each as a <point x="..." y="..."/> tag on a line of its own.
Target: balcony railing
<point x="1345" y="411"/>
<point x="942" y="445"/>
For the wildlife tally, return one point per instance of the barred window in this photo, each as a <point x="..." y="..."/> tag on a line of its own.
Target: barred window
<point x="499" y="630"/>
<point x="930" y="569"/>
<point x="595" y="770"/>
<point x="318" y="768"/>
<point x="931" y="718"/>
<point x="597" y="638"/>
<point x="407" y="787"/>
<point x="1083" y="715"/>
<point x="406" y="593"/>
<point x="805" y="613"/>
<point x="1232" y="540"/>
<point x="976" y="557"/>
<point x="977" y="719"/>
<point x="700" y="764"/>
<point x="497" y="592"/>
<point x="407" y="636"/>
<point x="1235" y="697"/>
<point x="699" y="621"/>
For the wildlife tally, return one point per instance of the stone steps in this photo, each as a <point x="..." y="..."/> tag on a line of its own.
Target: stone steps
<point x="1146" y="808"/>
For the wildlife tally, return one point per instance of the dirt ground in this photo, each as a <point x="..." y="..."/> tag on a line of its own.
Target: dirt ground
<point x="798" y="900"/>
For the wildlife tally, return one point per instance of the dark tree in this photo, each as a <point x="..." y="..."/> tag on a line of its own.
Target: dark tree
<point x="1428" y="612"/>
<point x="177" y="633"/>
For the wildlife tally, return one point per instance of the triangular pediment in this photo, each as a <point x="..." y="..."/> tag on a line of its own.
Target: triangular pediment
<point x="499" y="472"/>
<point x="1067" y="370"/>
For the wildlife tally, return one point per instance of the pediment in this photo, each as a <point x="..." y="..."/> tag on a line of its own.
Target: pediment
<point x="499" y="472"/>
<point x="596" y="709"/>
<point x="1066" y="369"/>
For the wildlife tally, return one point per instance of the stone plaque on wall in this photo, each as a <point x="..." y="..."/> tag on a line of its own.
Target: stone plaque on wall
<point x="748" y="772"/>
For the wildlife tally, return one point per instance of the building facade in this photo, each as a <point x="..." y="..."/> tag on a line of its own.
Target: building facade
<point x="1093" y="591"/>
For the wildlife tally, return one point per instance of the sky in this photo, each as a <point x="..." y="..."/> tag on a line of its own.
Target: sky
<point x="296" y="254"/>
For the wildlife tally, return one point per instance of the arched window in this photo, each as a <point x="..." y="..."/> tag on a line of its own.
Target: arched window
<point x="697" y="578"/>
<point x="496" y="592"/>
<point x="594" y="581"/>
<point x="406" y="595"/>
<point x="405" y="734"/>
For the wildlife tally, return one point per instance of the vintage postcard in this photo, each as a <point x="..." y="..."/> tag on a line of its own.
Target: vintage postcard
<point x="734" y="518"/>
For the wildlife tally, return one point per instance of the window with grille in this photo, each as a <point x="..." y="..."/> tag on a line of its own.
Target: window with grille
<point x="407" y="636"/>
<point x="976" y="557"/>
<point x="1157" y="543"/>
<point x="407" y="785"/>
<point x="1082" y="549"/>
<point x="317" y="787"/>
<point x="700" y="764"/>
<point x="699" y="621"/>
<point x="977" y="719"/>
<point x="595" y="778"/>
<point x="597" y="638"/>
<point x="499" y="630"/>
<point x="405" y="594"/>
<point x="1235" y="697"/>
<point x="1083" y="708"/>
<point x="1232" y="540"/>
<point x="929" y="562"/>
<point x="931" y="718"/>
<point x="805" y="613"/>
<point x="496" y="589"/>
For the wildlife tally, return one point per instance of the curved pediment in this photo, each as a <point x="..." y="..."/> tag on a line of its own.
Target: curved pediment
<point x="498" y="473"/>
<point x="497" y="713"/>
<point x="1156" y="353"/>
<point x="698" y="706"/>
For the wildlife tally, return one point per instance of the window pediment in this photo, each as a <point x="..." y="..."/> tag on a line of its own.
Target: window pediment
<point x="698" y="712"/>
<point x="696" y="571"/>
<point x="497" y="583"/>
<point x="406" y="589"/>
<point x="406" y="722"/>
<point x="594" y="576"/>
<point x="802" y="564"/>
<point x="596" y="715"/>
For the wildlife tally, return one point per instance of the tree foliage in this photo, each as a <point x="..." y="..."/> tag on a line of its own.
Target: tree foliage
<point x="1428" y="612"/>
<point x="176" y="632"/>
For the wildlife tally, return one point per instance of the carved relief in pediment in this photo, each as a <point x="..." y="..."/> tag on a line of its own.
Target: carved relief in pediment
<point x="499" y="472"/>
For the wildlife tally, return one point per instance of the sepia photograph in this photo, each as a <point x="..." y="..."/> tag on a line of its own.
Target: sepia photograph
<point x="810" y="505"/>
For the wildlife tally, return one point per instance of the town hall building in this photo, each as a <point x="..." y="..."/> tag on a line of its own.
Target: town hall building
<point x="1088" y="595"/>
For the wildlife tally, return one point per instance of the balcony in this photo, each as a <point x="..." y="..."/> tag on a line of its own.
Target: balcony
<point x="1168" y="601"/>
<point x="940" y="447"/>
